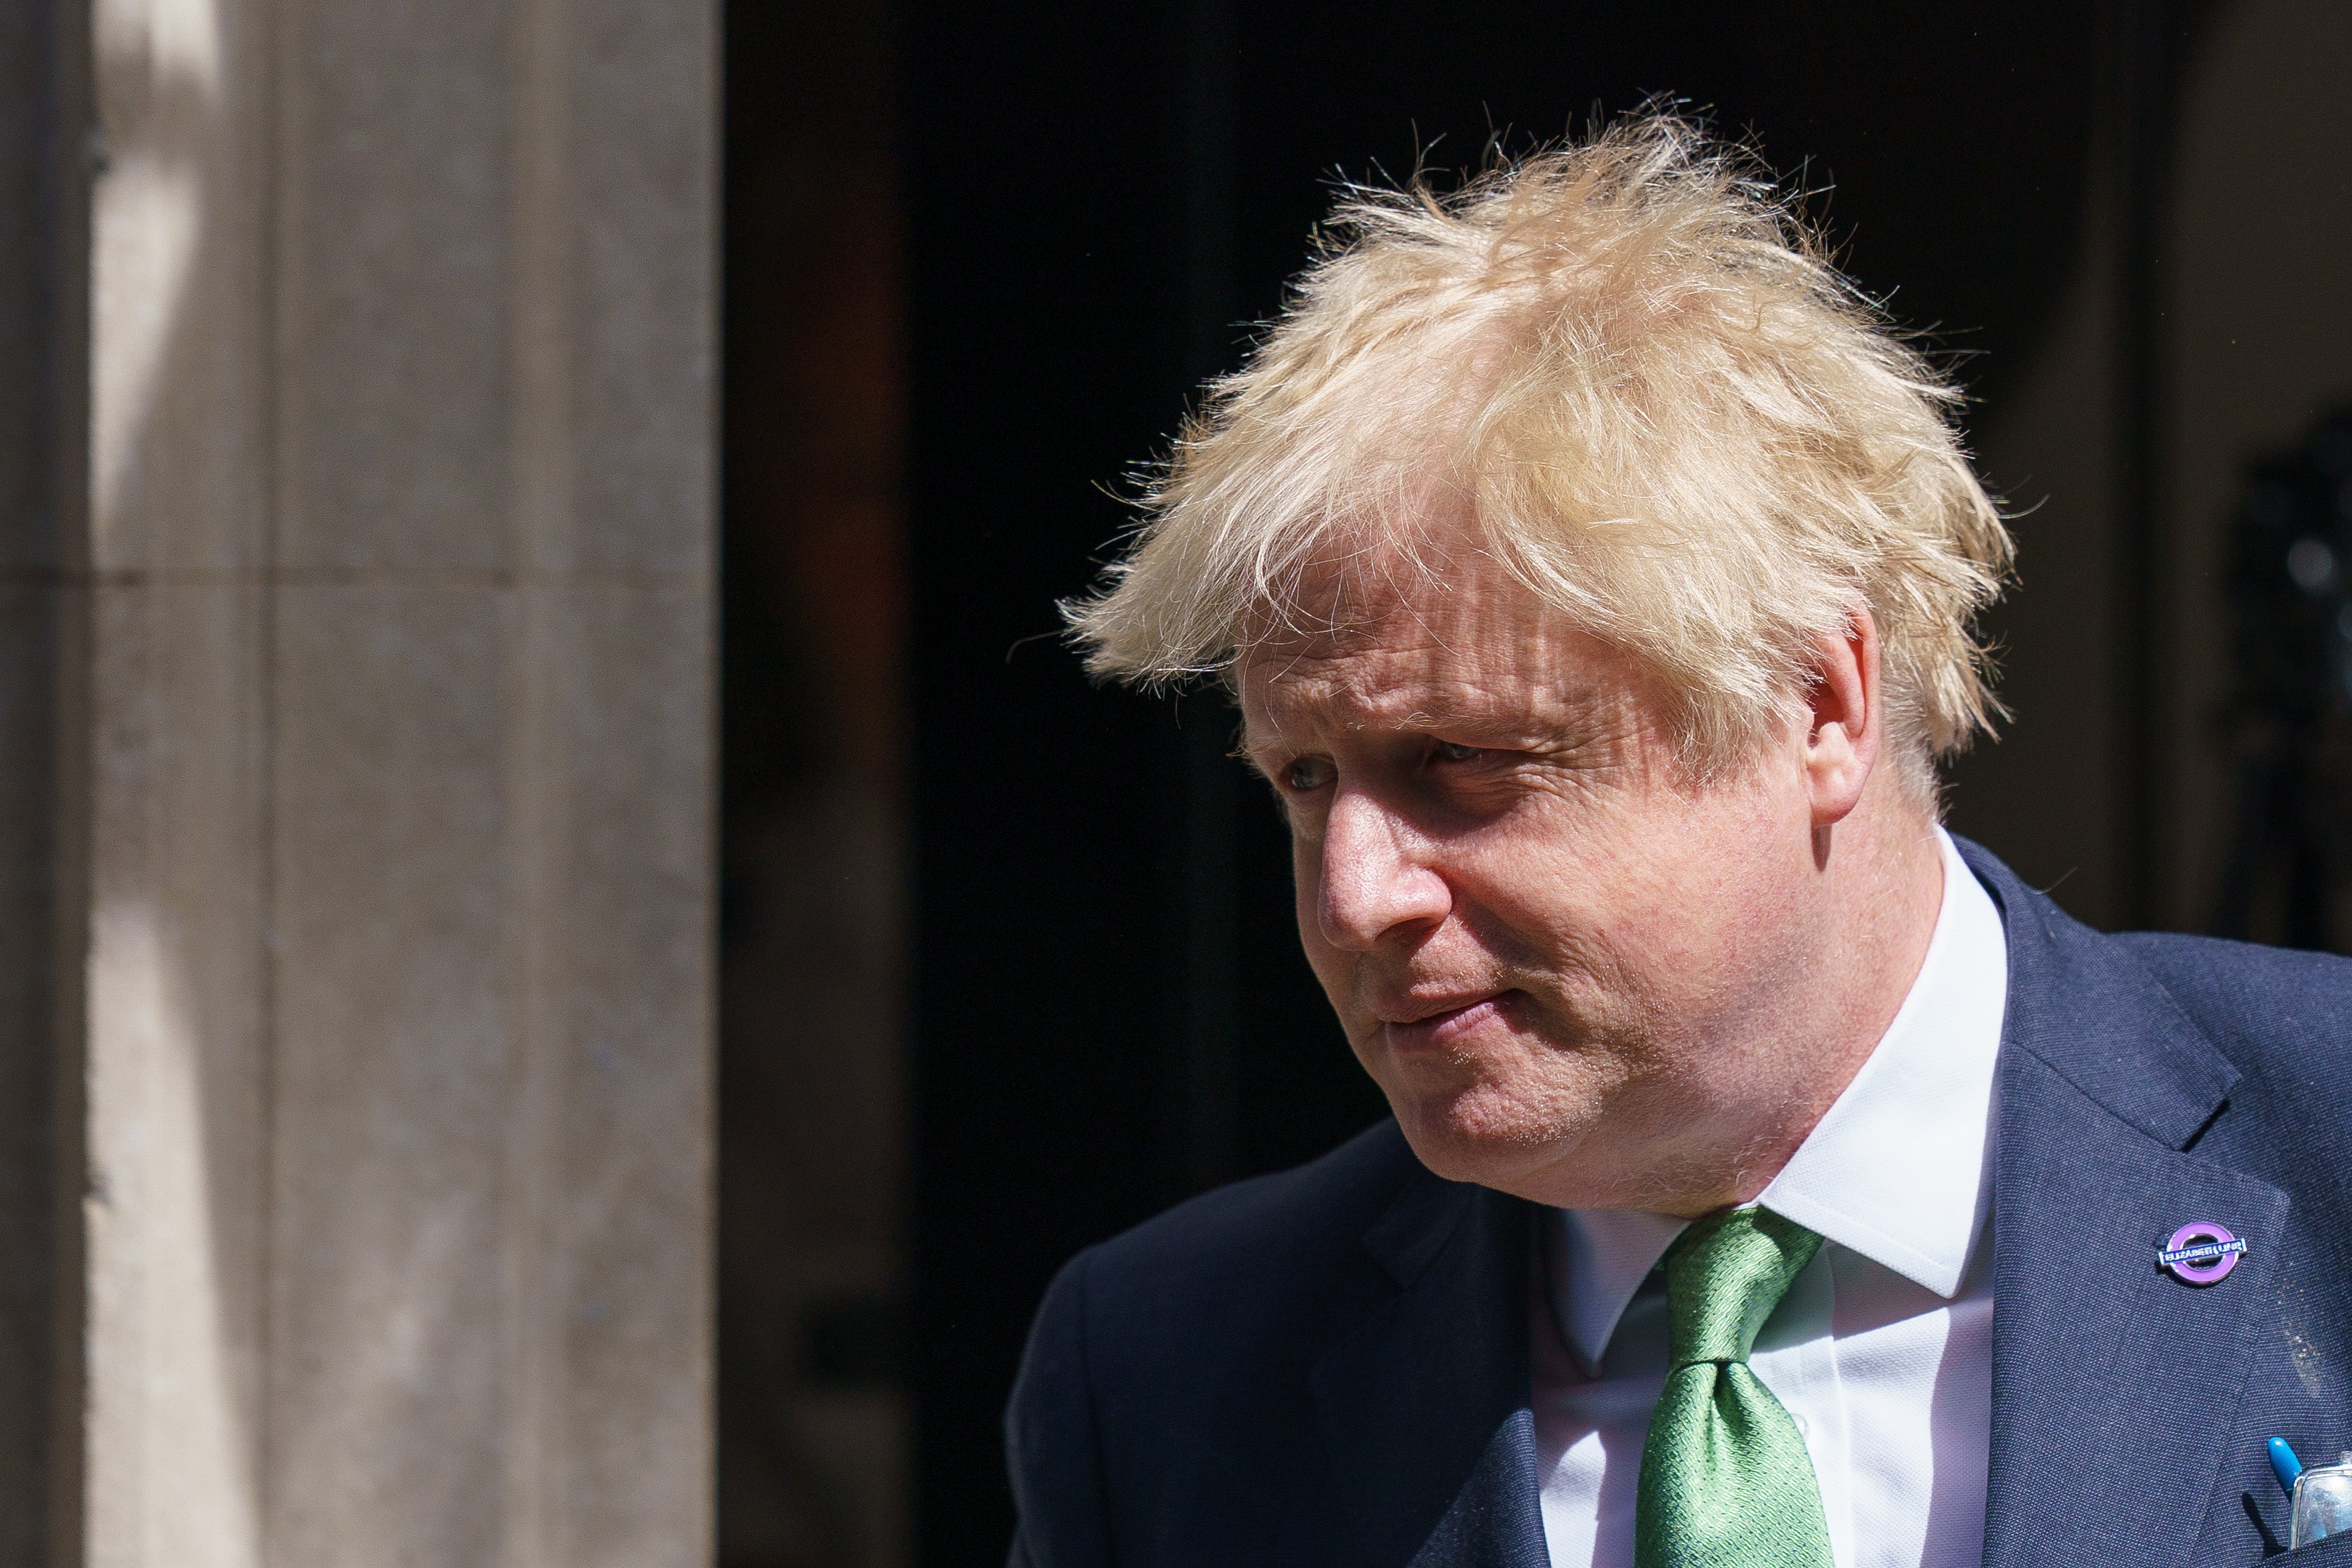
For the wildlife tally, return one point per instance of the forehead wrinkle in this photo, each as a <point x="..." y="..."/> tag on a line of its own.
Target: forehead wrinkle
<point x="1403" y="627"/>
<point x="1351" y="691"/>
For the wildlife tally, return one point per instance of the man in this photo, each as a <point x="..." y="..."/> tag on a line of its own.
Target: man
<point x="1772" y="1179"/>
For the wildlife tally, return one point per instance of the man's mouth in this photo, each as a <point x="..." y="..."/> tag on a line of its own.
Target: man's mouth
<point x="1426" y="1023"/>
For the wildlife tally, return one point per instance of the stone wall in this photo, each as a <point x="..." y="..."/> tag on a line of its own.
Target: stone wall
<point x="366" y="702"/>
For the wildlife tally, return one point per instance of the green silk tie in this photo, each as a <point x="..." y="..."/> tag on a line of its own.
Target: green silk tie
<point x="1725" y="1481"/>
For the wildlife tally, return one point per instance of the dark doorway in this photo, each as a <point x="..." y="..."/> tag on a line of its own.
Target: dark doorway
<point x="978" y="262"/>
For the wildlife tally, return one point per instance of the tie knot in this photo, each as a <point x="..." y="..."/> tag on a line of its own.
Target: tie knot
<point x="1724" y="1276"/>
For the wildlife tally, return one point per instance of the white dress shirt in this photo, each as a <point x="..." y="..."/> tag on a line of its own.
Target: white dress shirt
<point x="1882" y="1350"/>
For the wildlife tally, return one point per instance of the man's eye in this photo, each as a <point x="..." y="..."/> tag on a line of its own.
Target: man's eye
<point x="1308" y="774"/>
<point x="1453" y="753"/>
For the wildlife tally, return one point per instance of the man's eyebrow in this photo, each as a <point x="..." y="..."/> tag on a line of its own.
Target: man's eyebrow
<point x="1569" y="709"/>
<point x="1486" y="723"/>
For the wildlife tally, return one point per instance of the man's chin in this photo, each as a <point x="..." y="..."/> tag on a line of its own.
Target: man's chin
<point x="1481" y="1135"/>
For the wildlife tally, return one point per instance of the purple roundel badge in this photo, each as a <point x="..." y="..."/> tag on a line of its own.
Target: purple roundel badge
<point x="2202" y="1253"/>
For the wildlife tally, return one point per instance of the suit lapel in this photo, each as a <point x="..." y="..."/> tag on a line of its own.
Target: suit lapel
<point x="2113" y="1383"/>
<point x="1424" y="1404"/>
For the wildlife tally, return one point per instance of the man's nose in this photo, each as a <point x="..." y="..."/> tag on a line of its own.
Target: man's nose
<point x="1374" y="878"/>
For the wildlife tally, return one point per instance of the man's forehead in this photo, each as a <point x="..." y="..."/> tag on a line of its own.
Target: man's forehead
<point x="1369" y="656"/>
<point x="1436" y="603"/>
<point x="1404" y="596"/>
<point x="1371" y="659"/>
<point x="1424" y="665"/>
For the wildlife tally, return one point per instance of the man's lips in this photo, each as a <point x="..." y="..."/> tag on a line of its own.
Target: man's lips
<point x="1415" y="1022"/>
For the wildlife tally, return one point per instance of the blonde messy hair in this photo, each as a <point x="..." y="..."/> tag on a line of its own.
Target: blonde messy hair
<point x="1664" y="411"/>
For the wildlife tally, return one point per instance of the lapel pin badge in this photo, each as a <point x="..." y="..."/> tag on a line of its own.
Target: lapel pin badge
<point x="2200" y="1253"/>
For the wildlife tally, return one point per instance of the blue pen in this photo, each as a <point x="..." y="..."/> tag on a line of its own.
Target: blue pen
<point x="2285" y="1465"/>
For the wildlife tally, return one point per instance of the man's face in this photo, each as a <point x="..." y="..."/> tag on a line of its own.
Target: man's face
<point x="1560" y="956"/>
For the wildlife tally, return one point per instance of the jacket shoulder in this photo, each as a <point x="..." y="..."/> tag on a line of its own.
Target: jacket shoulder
<point x="2259" y="1016"/>
<point x="1256" y="1263"/>
<point x="2265" y="1007"/>
<point x="2283" y="1021"/>
<point x="1262" y="1249"/>
<point x="1288" y="1218"/>
<point x="1166" y="1382"/>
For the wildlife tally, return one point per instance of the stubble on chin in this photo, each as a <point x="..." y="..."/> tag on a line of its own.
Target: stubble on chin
<point x="1499" y="1124"/>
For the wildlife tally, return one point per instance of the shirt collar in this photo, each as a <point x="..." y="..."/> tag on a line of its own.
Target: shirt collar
<point x="1896" y="1170"/>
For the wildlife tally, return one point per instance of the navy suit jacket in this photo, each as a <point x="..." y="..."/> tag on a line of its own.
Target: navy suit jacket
<point x="1330" y="1366"/>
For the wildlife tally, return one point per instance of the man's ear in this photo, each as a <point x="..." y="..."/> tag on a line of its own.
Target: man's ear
<point x="1844" y="726"/>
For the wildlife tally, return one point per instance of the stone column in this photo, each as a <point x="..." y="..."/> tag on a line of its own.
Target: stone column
<point x="382" y="722"/>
